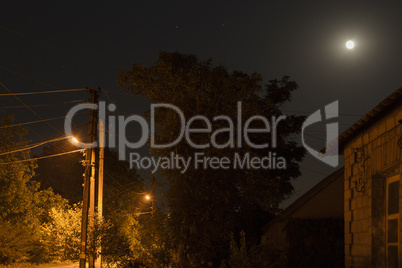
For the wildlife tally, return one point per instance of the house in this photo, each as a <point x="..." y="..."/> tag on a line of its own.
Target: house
<point x="318" y="209"/>
<point x="372" y="149"/>
<point x="324" y="200"/>
<point x="372" y="197"/>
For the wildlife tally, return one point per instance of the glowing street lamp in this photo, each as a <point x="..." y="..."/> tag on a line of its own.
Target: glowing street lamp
<point x="152" y="199"/>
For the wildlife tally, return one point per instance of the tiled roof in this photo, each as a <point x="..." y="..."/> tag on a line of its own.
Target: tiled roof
<point x="371" y="117"/>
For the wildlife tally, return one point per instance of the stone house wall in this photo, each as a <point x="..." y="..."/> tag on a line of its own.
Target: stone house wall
<point x="371" y="157"/>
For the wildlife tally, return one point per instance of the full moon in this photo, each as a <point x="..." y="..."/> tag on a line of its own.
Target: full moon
<point x="350" y="44"/>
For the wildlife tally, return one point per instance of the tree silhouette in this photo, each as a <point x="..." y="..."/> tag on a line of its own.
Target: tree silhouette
<point x="206" y="205"/>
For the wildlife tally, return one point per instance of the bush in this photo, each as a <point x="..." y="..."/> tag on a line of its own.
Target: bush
<point x="61" y="234"/>
<point x="15" y="243"/>
<point x="266" y="255"/>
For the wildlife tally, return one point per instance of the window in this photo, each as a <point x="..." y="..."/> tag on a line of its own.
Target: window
<point x="392" y="221"/>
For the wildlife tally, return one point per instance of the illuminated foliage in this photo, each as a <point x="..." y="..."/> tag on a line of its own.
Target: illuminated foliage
<point x="15" y="192"/>
<point x="60" y="236"/>
<point x="23" y="207"/>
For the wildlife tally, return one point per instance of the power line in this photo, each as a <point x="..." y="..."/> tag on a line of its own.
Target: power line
<point x="43" y="105"/>
<point x="43" y="92"/>
<point x="29" y="78"/>
<point x="37" y="116"/>
<point x="38" y="121"/>
<point x="125" y="187"/>
<point x="108" y="97"/>
<point x="33" y="146"/>
<point x="23" y="103"/>
<point x="113" y="179"/>
<point x="113" y="155"/>
<point x="42" y="157"/>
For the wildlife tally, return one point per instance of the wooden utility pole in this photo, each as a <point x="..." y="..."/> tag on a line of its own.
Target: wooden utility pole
<point x="100" y="180"/>
<point x="87" y="184"/>
<point x="92" y="187"/>
<point x="153" y="195"/>
<point x="92" y="205"/>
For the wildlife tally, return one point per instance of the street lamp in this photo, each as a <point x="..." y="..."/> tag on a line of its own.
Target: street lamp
<point x="152" y="199"/>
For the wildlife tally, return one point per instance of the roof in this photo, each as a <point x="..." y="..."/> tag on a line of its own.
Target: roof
<point x="371" y="117"/>
<point x="286" y="213"/>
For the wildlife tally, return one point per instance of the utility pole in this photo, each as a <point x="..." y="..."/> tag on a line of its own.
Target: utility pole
<point x="100" y="180"/>
<point x="92" y="205"/>
<point x="153" y="195"/>
<point x="87" y="185"/>
<point x="92" y="185"/>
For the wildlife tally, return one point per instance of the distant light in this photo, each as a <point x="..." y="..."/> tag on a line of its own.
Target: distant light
<point x="75" y="140"/>
<point x="350" y="44"/>
<point x="147" y="197"/>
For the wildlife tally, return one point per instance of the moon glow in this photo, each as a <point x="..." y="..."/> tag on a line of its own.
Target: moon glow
<point x="350" y="44"/>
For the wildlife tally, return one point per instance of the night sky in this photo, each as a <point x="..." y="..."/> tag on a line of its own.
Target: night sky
<point x="49" y="45"/>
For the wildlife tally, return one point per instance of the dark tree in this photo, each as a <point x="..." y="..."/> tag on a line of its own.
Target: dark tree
<point x="206" y="205"/>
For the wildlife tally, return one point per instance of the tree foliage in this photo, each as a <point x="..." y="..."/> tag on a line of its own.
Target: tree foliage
<point x="23" y="207"/>
<point x="16" y="193"/>
<point x="123" y="199"/>
<point x="155" y="238"/>
<point x="60" y="235"/>
<point x="16" y="242"/>
<point x="207" y="205"/>
<point x="37" y="225"/>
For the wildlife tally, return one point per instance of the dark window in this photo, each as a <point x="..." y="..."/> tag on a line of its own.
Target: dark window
<point x="392" y="219"/>
<point x="393" y="231"/>
<point x="393" y="197"/>
<point x="392" y="256"/>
